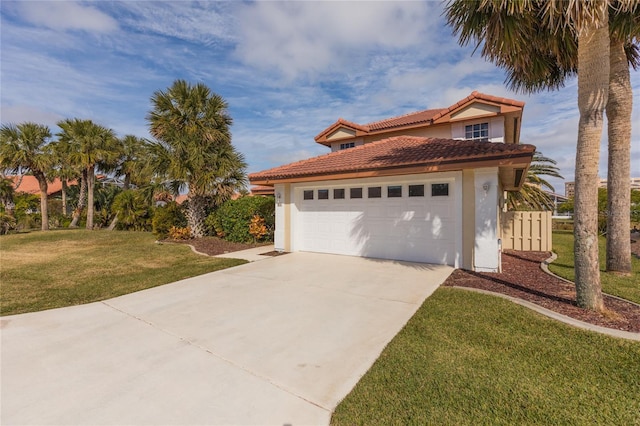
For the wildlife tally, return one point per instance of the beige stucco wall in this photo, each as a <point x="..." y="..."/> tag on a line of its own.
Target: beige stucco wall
<point x="476" y="109"/>
<point x="341" y="133"/>
<point x="509" y="127"/>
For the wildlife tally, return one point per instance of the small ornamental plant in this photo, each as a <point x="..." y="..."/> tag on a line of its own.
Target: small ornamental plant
<point x="176" y="233"/>
<point x="257" y="227"/>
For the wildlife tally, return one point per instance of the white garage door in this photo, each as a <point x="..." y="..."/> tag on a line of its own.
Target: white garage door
<point x="412" y="221"/>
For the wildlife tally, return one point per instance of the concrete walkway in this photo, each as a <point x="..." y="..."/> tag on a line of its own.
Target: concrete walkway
<point x="280" y="341"/>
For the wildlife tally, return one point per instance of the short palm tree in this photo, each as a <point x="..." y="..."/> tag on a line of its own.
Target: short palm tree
<point x="532" y="195"/>
<point x="193" y="147"/>
<point x="90" y="144"/>
<point x="25" y="148"/>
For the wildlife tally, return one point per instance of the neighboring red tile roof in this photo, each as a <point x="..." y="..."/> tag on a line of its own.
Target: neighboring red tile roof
<point x="181" y="198"/>
<point x="426" y="117"/>
<point x="396" y="153"/>
<point x="262" y="190"/>
<point x="29" y="184"/>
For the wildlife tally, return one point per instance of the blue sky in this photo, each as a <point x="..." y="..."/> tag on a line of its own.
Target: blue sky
<point x="287" y="70"/>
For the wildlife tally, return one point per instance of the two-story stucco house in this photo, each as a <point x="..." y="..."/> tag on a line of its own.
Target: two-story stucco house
<point x="424" y="187"/>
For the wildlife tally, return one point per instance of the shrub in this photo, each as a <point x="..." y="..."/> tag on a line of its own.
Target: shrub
<point x="7" y="223"/>
<point x="134" y="213"/>
<point x="27" y="210"/>
<point x="176" y="233"/>
<point x="257" y="227"/>
<point x="232" y="219"/>
<point x="166" y="217"/>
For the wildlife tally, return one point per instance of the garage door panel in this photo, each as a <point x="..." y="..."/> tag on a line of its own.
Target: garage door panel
<point x="418" y="229"/>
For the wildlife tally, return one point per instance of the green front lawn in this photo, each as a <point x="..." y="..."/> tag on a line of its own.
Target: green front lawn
<point x="625" y="287"/>
<point x="468" y="359"/>
<point x="44" y="270"/>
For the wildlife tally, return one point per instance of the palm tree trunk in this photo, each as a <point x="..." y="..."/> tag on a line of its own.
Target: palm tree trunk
<point x="196" y="215"/>
<point x="44" y="208"/>
<point x="593" y="87"/>
<point x="618" y="177"/>
<point x="64" y="198"/>
<point x="91" y="177"/>
<point x="82" y="197"/>
<point x="113" y="223"/>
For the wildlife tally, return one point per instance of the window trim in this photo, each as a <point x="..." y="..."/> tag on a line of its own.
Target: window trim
<point x="470" y="132"/>
<point x="441" y="186"/>
<point x="394" y="187"/>
<point x="347" y="145"/>
<point x="415" y="187"/>
<point x="370" y="188"/>
<point x="323" y="194"/>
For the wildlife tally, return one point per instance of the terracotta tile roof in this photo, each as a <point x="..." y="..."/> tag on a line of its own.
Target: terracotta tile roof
<point x="262" y="190"/>
<point x="29" y="184"/>
<point x="481" y="96"/>
<point x="404" y="120"/>
<point x="426" y="117"/>
<point x="396" y="153"/>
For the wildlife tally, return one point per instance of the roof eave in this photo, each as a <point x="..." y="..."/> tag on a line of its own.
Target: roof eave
<point x="523" y="158"/>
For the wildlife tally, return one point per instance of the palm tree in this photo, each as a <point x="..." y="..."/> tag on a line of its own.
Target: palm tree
<point x="619" y="106"/>
<point x="130" y="162"/>
<point x="536" y="60"/>
<point x="90" y="144"/>
<point x="64" y="170"/>
<point x="24" y="148"/>
<point x="538" y="54"/>
<point x="532" y="195"/>
<point x="193" y="146"/>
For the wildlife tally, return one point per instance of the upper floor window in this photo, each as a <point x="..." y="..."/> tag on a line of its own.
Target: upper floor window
<point x="478" y="131"/>
<point x="347" y="145"/>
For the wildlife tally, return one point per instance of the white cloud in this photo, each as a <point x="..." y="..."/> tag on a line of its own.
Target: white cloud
<point x="310" y="38"/>
<point x="67" y="15"/>
<point x="23" y="113"/>
<point x="202" y="22"/>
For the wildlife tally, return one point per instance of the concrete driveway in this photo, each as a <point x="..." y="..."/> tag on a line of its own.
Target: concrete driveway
<point x="279" y="341"/>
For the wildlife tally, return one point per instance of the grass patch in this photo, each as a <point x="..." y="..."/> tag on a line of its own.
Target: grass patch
<point x="468" y="359"/>
<point x="626" y="287"/>
<point x="44" y="270"/>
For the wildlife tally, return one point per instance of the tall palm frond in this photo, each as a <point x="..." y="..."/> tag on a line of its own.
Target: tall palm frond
<point x="532" y="195"/>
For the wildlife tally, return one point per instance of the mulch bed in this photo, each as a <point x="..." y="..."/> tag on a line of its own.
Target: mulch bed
<point x="214" y="246"/>
<point x="523" y="278"/>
